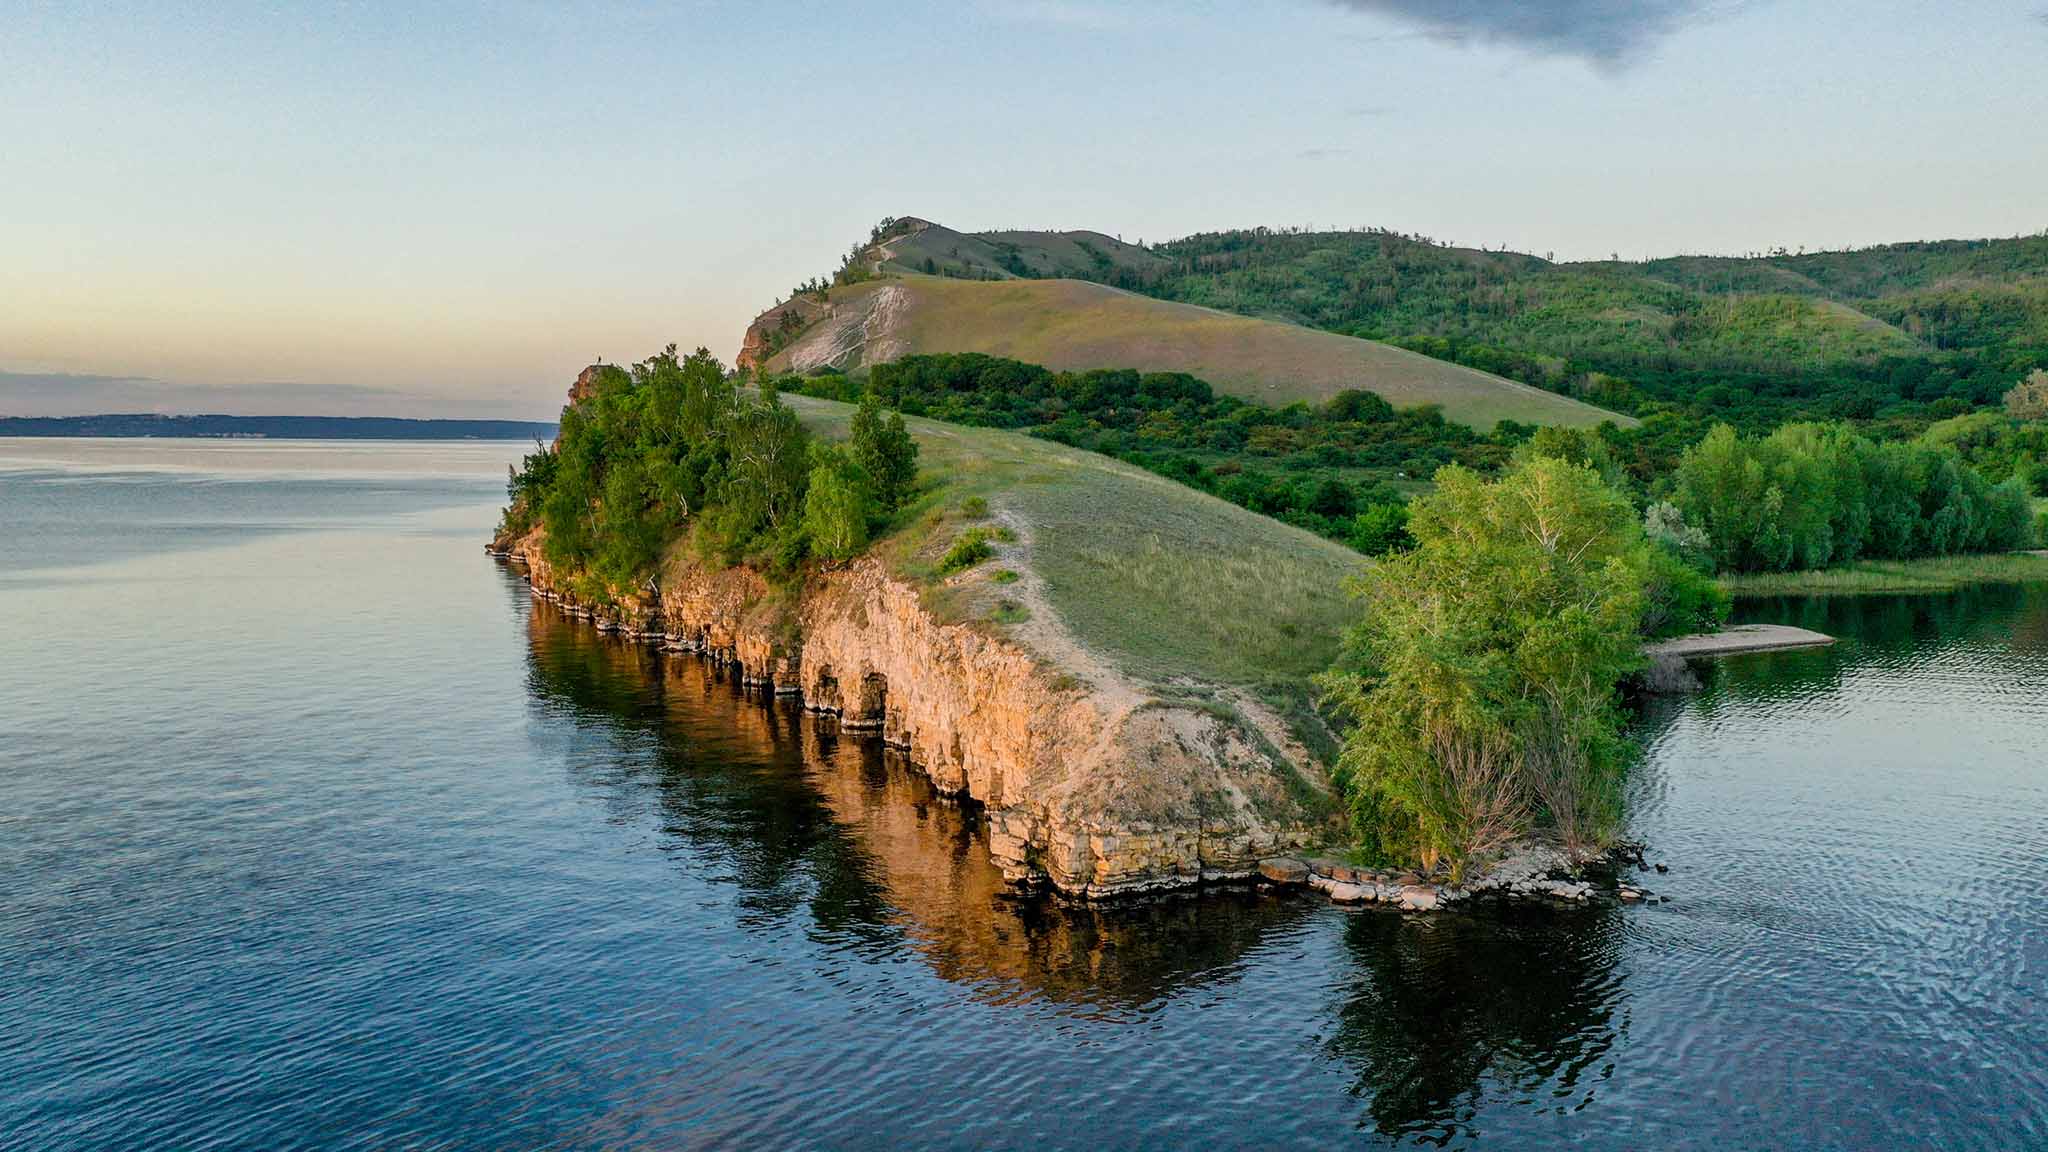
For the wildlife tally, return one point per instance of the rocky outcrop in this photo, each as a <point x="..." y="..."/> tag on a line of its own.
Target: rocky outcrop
<point x="774" y="329"/>
<point x="1093" y="789"/>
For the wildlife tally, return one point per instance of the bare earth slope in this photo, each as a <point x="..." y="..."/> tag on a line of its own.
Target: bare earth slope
<point x="1074" y="324"/>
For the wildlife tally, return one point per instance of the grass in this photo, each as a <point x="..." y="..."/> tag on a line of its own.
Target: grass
<point x="1073" y="324"/>
<point x="1934" y="574"/>
<point x="1167" y="583"/>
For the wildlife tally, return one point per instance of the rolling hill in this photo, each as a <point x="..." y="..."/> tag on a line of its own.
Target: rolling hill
<point x="1904" y="329"/>
<point x="1079" y="324"/>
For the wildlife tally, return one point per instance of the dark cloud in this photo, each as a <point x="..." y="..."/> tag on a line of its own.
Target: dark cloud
<point x="1606" y="32"/>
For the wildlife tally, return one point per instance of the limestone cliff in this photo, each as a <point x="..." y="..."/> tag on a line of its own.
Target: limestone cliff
<point x="1087" y="782"/>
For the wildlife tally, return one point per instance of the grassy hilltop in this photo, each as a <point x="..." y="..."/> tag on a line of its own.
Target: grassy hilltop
<point x="1172" y="586"/>
<point x="1906" y="332"/>
<point x="1074" y="324"/>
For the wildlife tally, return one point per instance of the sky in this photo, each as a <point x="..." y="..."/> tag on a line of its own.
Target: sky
<point x="448" y="209"/>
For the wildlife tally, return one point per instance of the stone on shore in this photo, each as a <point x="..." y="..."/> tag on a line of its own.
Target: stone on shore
<point x="1419" y="897"/>
<point x="1284" y="870"/>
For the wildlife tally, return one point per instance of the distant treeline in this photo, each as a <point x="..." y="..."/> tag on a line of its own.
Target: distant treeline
<point x="1805" y="496"/>
<point x="1331" y="468"/>
<point x="275" y="427"/>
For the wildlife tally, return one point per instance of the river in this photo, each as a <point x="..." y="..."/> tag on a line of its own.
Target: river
<point x="315" y="832"/>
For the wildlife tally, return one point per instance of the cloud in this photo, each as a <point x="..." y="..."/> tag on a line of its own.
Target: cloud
<point x="1611" y="33"/>
<point x="1323" y="153"/>
<point x="1370" y="111"/>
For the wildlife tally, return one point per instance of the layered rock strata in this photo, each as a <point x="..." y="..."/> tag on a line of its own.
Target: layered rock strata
<point x="1094" y="789"/>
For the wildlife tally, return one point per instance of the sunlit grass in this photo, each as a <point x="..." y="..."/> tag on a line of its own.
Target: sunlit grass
<point x="1165" y="582"/>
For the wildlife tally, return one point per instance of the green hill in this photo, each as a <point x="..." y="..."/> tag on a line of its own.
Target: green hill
<point x="1759" y="339"/>
<point x="1074" y="324"/>
<point x="1915" y="331"/>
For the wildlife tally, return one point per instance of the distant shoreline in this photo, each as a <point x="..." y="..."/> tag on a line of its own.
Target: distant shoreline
<point x="141" y="425"/>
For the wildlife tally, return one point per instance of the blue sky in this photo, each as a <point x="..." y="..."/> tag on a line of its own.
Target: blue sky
<point x="448" y="209"/>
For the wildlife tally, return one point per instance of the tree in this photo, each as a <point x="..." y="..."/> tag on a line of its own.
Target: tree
<point x="1482" y="675"/>
<point x="2028" y="399"/>
<point x="769" y="450"/>
<point x="836" y="505"/>
<point x="885" y="451"/>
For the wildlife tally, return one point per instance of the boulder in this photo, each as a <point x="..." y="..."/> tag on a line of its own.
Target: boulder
<point x="1419" y="898"/>
<point x="1283" y="870"/>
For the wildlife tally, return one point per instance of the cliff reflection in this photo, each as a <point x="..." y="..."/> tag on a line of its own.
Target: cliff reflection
<point x="800" y="819"/>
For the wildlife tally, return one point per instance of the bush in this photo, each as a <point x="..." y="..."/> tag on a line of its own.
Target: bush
<point x="970" y="549"/>
<point x="1679" y="599"/>
<point x="1809" y="495"/>
<point x="1381" y="530"/>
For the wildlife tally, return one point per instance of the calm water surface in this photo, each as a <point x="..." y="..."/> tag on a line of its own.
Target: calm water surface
<point x="315" y="832"/>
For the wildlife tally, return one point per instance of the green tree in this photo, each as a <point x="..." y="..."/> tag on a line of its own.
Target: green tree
<point x="885" y="451"/>
<point x="1481" y="676"/>
<point x="837" y="505"/>
<point x="770" y="461"/>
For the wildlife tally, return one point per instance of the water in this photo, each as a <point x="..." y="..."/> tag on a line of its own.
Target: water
<point x="315" y="832"/>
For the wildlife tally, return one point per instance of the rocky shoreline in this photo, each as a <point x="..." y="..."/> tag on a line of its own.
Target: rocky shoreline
<point x="1088" y="785"/>
<point x="1535" y="872"/>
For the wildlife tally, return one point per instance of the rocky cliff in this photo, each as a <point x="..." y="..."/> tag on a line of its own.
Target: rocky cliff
<point x="1088" y="783"/>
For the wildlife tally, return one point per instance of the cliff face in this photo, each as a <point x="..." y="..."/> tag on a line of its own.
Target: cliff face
<point x="1091" y="786"/>
<point x="774" y="329"/>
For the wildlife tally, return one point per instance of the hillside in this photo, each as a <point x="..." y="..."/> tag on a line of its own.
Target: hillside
<point x="1170" y="586"/>
<point x="1827" y="333"/>
<point x="1075" y="324"/>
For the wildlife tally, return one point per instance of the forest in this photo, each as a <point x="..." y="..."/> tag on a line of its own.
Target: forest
<point x="1907" y="333"/>
<point x="1804" y="496"/>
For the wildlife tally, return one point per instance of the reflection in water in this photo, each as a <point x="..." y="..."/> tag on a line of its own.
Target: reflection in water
<point x="285" y="863"/>
<point x="1517" y="1001"/>
<point x="797" y="815"/>
<point x="1432" y="1014"/>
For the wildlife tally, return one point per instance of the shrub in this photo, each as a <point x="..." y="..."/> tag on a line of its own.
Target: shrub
<point x="974" y="508"/>
<point x="1679" y="599"/>
<point x="1381" y="530"/>
<point x="970" y="549"/>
